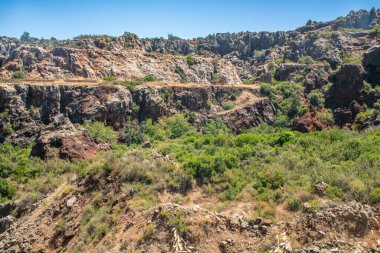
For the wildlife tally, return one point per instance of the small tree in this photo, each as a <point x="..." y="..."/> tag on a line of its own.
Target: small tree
<point x="25" y="36"/>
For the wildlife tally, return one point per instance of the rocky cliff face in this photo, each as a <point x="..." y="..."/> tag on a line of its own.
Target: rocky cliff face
<point x="223" y="57"/>
<point x="314" y="55"/>
<point x="122" y="57"/>
<point x="46" y="115"/>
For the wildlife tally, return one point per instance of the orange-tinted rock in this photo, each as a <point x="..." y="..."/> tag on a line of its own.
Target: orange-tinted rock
<point x="309" y="122"/>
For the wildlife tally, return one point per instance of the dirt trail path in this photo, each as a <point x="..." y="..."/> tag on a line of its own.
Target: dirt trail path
<point x="163" y="84"/>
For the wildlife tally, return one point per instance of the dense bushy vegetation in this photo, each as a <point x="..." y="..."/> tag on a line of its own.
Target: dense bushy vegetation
<point x="264" y="159"/>
<point x="266" y="163"/>
<point x="286" y="97"/>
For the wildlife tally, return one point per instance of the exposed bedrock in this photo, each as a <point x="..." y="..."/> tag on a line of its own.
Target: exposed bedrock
<point x="46" y="116"/>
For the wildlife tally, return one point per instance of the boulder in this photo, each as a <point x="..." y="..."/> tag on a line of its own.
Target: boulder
<point x="320" y="188"/>
<point x="342" y="116"/>
<point x="309" y="122"/>
<point x="147" y="144"/>
<point x="6" y="209"/>
<point x="6" y="222"/>
<point x="70" y="202"/>
<point x="69" y="234"/>
<point x="362" y="220"/>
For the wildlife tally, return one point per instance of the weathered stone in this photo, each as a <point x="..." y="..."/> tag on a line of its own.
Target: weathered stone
<point x="309" y="122"/>
<point x="69" y="234"/>
<point x="70" y="202"/>
<point x="6" y="222"/>
<point x="320" y="188"/>
<point x="147" y="144"/>
<point x="6" y="209"/>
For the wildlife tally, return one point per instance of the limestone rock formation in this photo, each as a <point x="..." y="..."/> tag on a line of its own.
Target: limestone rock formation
<point x="46" y="115"/>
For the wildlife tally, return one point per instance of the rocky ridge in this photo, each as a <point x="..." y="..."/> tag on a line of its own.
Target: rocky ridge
<point x="45" y="115"/>
<point x="223" y="57"/>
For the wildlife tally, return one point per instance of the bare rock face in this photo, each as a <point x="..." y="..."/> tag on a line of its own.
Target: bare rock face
<point x="6" y="222"/>
<point x="206" y="103"/>
<point x="371" y="64"/>
<point x="65" y="142"/>
<point x="245" y="117"/>
<point x="122" y="57"/>
<point x="44" y="115"/>
<point x="361" y="19"/>
<point x="348" y="82"/>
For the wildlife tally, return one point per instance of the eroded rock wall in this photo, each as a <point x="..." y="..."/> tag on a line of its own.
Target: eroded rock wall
<point x="47" y="116"/>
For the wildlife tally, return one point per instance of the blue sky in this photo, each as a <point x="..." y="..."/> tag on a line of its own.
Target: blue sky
<point x="147" y="18"/>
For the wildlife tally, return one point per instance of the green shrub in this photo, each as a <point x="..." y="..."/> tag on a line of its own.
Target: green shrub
<point x="362" y="117"/>
<point x="375" y="31"/>
<point x="179" y="223"/>
<point x="109" y="78"/>
<point x="100" y="131"/>
<point x="312" y="206"/>
<point x="316" y="99"/>
<point x="4" y="115"/>
<point x="134" y="132"/>
<point x="266" y="89"/>
<point x="165" y="96"/>
<point x="312" y="36"/>
<point x="374" y="196"/>
<point x="278" y="195"/>
<point x="247" y="139"/>
<point x="227" y="106"/>
<point x="18" y="75"/>
<point x="190" y="60"/>
<point x="348" y="58"/>
<point x="131" y="85"/>
<point x="279" y="60"/>
<point x="181" y="73"/>
<point x="101" y="231"/>
<point x="215" y="77"/>
<point x="326" y="117"/>
<point x="7" y="191"/>
<point x="7" y="129"/>
<point x="216" y="127"/>
<point x="173" y="37"/>
<point x="306" y="60"/>
<point x="208" y="105"/>
<point x="149" y="78"/>
<point x="334" y="192"/>
<point x="215" y="63"/>
<point x="177" y="126"/>
<point x="283" y="138"/>
<point x="154" y="131"/>
<point x="294" y="204"/>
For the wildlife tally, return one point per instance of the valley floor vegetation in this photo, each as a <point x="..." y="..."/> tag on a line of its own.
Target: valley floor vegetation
<point x="264" y="164"/>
